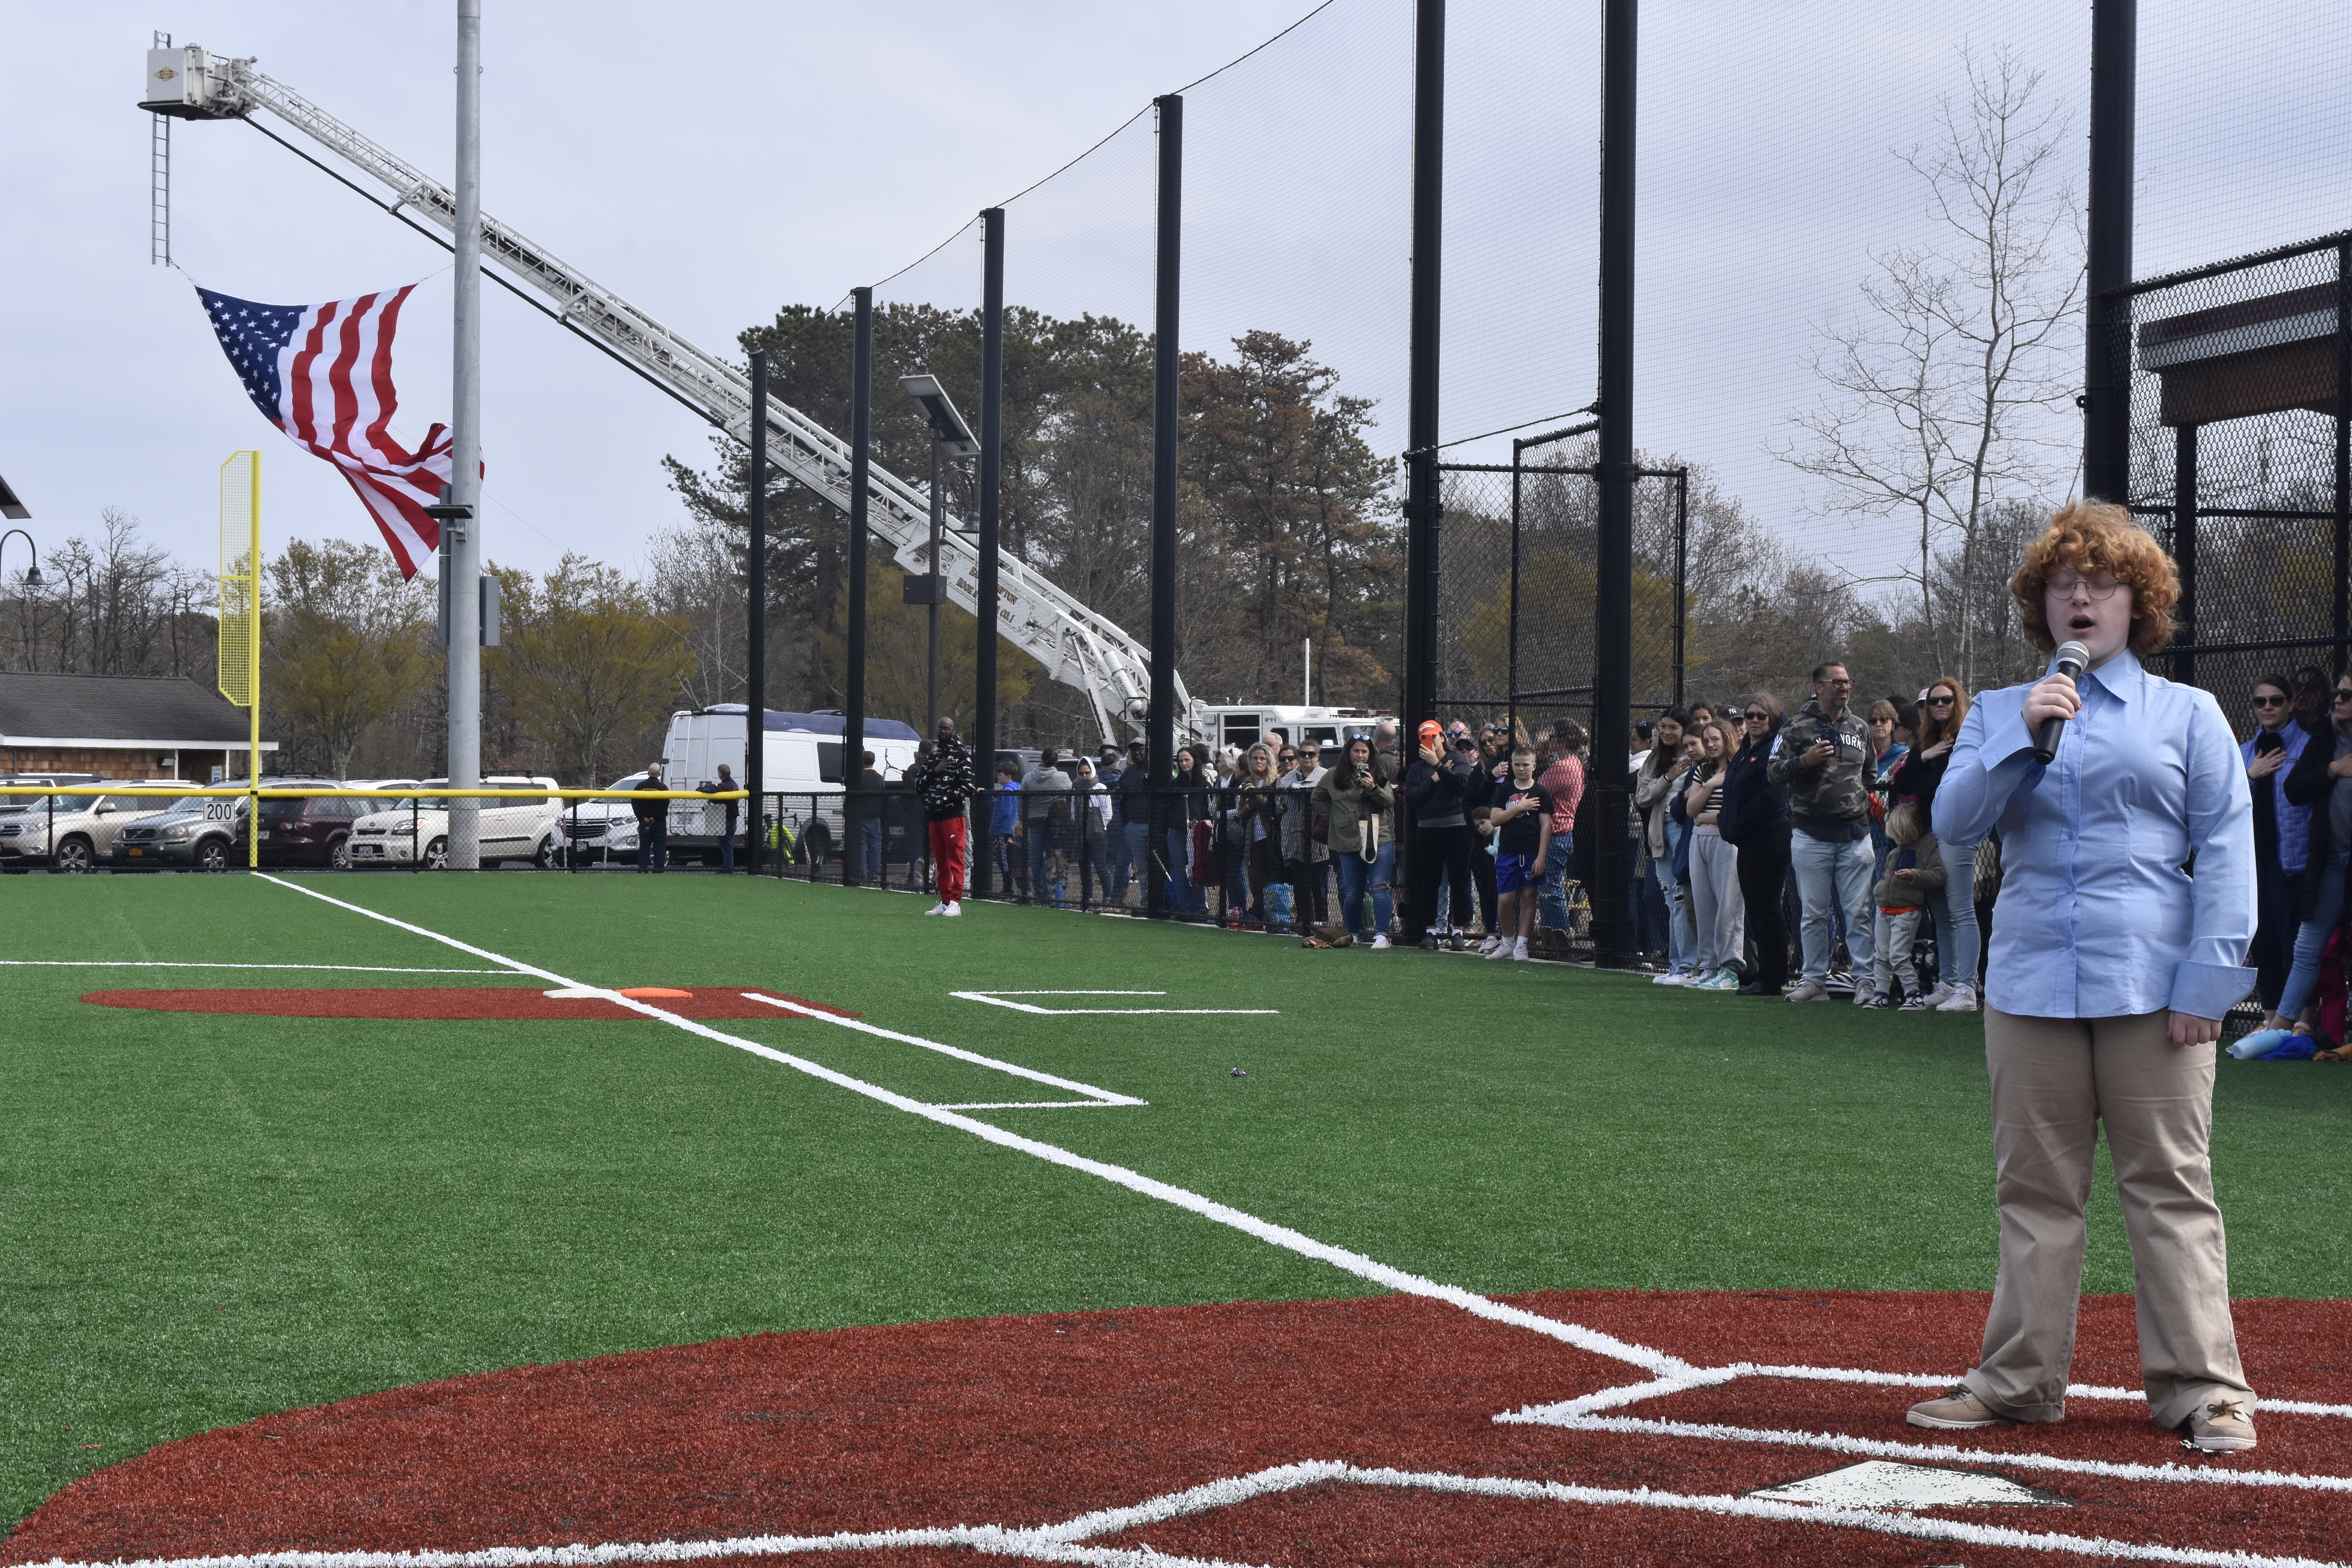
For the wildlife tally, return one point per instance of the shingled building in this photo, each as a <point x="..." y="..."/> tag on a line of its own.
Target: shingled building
<point x="120" y="727"/>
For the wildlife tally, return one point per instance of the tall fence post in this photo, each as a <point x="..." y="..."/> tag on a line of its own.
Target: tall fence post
<point x="1511" y="696"/>
<point x="755" y="632"/>
<point x="1160" y="734"/>
<point x="1612" y="611"/>
<point x="2184" y="551"/>
<point x="1682" y="577"/>
<point x="2343" y="453"/>
<point x="2107" y="384"/>
<point x="1421" y="506"/>
<point x="992" y="477"/>
<point x="852" y="724"/>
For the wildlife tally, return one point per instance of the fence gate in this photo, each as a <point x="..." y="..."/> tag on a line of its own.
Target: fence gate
<point x="2239" y="457"/>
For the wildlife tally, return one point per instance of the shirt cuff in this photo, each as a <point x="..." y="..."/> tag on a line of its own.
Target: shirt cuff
<point x="2208" y="990"/>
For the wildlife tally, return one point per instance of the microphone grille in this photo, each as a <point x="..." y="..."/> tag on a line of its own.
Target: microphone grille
<point x="2073" y="653"/>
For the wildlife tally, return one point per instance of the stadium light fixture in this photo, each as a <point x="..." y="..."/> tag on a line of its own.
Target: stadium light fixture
<point x="955" y="436"/>
<point x="13" y="509"/>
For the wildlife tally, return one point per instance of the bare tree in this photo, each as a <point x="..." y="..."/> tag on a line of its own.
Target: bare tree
<point x="1944" y="394"/>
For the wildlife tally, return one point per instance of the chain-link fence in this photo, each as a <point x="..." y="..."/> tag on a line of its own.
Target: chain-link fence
<point x="1517" y="583"/>
<point x="2239" y="454"/>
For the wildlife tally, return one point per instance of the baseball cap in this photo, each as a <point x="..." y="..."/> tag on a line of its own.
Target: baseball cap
<point x="1430" y="729"/>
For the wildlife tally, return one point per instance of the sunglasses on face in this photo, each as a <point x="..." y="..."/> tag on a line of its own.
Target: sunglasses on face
<point x="1759" y="718"/>
<point x="2278" y="701"/>
<point x="2344" y="694"/>
<point x="1942" y="699"/>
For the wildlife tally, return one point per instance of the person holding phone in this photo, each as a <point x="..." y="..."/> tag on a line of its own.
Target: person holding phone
<point x="2282" y="834"/>
<point x="1437" y="785"/>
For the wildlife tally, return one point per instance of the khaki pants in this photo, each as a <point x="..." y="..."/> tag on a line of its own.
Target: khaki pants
<point x="2054" y="1082"/>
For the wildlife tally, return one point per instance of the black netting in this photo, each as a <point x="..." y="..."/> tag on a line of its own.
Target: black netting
<point x="2237" y="439"/>
<point x="1529" y="655"/>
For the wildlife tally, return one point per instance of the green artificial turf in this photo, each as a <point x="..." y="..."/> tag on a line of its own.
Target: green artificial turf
<point x="205" y="1218"/>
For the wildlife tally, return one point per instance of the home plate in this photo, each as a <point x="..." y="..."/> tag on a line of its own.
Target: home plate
<point x="1877" y="1483"/>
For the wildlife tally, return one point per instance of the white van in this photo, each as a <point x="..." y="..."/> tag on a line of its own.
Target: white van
<point x="801" y="760"/>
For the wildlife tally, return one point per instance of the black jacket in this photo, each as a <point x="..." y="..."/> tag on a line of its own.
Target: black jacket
<point x="651" y="812"/>
<point x="2308" y="783"/>
<point x="1442" y="789"/>
<point x="1754" y="809"/>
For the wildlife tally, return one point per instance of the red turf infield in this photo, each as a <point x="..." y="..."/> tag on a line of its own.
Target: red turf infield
<point x="1030" y="1421"/>
<point x="520" y="1003"/>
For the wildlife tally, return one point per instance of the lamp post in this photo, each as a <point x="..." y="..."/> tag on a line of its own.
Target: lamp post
<point x="33" y="574"/>
<point x="950" y="436"/>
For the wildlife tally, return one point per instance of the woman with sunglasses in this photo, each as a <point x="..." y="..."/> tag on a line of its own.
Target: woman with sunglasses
<point x="2125" y="909"/>
<point x="2281" y="833"/>
<point x="2318" y="782"/>
<point x="1952" y="907"/>
<point x="1752" y="815"/>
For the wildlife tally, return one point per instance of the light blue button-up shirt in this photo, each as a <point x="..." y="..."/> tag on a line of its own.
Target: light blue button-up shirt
<point x="2097" y="918"/>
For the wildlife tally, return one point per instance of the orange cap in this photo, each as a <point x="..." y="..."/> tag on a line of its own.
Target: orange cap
<point x="1430" y="729"/>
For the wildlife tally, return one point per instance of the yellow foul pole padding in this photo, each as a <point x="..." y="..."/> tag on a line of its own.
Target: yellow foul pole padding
<point x="240" y="620"/>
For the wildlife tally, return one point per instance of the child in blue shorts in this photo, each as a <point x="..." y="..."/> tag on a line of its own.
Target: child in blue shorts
<point x="1520" y="816"/>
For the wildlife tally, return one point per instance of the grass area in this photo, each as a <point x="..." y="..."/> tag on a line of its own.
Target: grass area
<point x="206" y="1218"/>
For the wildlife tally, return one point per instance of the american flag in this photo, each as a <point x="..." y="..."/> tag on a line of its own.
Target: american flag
<point x="322" y="373"/>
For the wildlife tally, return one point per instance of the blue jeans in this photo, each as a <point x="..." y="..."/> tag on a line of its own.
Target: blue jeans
<point x="1552" y="901"/>
<point x="1183" y="897"/>
<point x="1682" y="925"/>
<point x="869" y="848"/>
<point x="1041" y="845"/>
<point x="1953" y="907"/>
<point x="2311" y="939"/>
<point x="1359" y="878"/>
<point x="727" y="848"/>
<point x="653" y="843"/>
<point x="1832" y="876"/>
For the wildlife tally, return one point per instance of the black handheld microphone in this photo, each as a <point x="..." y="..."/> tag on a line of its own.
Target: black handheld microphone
<point x="2072" y="659"/>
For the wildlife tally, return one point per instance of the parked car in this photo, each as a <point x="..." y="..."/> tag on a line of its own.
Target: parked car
<point x="417" y="830"/>
<point x="75" y="836"/>
<point x="201" y="832"/>
<point x="604" y="831"/>
<point x="314" y="831"/>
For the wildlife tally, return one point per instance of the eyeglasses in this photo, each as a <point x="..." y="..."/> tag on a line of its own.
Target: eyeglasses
<point x="2063" y="584"/>
<point x="1877" y="722"/>
<point x="1759" y="718"/>
<point x="2344" y="694"/>
<point x="2281" y="701"/>
<point x="1942" y="699"/>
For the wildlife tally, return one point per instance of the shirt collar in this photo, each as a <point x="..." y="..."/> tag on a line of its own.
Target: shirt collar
<point x="2120" y="678"/>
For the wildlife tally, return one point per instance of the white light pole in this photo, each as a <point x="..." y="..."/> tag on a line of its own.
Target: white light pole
<point x="465" y="554"/>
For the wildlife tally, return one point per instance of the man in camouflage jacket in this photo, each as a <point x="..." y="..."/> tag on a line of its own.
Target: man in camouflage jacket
<point x="1821" y="756"/>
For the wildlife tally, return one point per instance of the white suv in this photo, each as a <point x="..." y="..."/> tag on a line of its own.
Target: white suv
<point x="76" y="835"/>
<point x="527" y="829"/>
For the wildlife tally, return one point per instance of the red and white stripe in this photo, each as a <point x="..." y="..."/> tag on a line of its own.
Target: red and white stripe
<point x="337" y="402"/>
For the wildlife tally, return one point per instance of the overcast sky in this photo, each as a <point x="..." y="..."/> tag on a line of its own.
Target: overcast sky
<point x="714" y="162"/>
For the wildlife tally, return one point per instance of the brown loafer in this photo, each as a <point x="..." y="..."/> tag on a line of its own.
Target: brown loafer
<point x="1960" y="1410"/>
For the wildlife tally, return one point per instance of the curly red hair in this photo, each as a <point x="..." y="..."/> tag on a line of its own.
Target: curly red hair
<point x="2095" y="536"/>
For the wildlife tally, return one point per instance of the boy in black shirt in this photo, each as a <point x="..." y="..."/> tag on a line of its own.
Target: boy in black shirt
<point x="1521" y="816"/>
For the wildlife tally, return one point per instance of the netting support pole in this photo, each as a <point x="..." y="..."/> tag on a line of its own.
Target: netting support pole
<point x="1682" y="577"/>
<point x="1612" y="610"/>
<point x="2343" y="454"/>
<point x="755" y="653"/>
<point x="2184" y="551"/>
<point x="1511" y="693"/>
<point x="2106" y="381"/>
<point x="1160" y="724"/>
<point x="852" y="724"/>
<point x="1422" y="511"/>
<point x="992" y="476"/>
<point x="464" y="561"/>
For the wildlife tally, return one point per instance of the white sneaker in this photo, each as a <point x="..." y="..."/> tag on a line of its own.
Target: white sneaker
<point x="937" y="909"/>
<point x="1671" y="977"/>
<point x="1519" y="949"/>
<point x="1381" y="941"/>
<point x="1495" y="947"/>
<point x="1963" y="999"/>
<point x="952" y="911"/>
<point x="1938" y="996"/>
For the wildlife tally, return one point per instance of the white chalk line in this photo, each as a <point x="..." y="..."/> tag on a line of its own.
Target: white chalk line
<point x="1838" y="1442"/>
<point x="1705" y="1377"/>
<point x="1061" y="1542"/>
<point x="997" y="999"/>
<point x="1349" y="1262"/>
<point x="157" y="963"/>
<point x="1095" y="1096"/>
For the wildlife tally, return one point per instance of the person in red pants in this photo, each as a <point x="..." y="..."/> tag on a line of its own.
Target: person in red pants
<point x="943" y="776"/>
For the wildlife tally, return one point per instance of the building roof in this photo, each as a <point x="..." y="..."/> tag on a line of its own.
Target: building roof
<point x="163" y="711"/>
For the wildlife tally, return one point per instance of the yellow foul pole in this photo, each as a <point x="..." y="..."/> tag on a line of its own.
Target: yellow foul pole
<point x="240" y="620"/>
